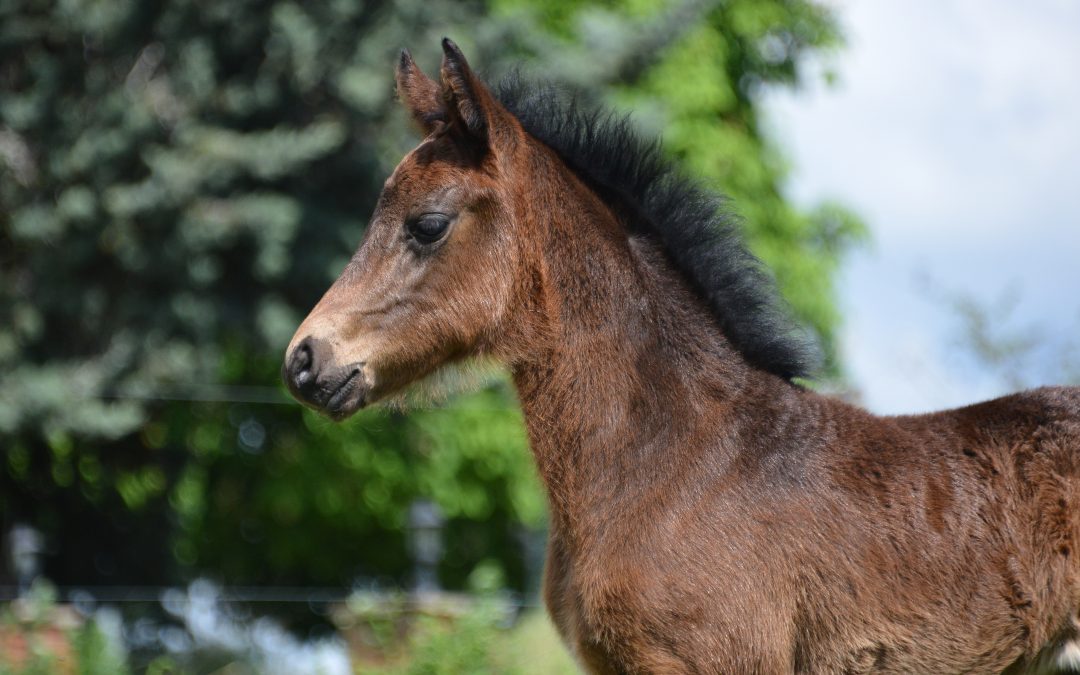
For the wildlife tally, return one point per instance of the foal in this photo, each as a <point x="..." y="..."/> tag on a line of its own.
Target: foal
<point x="707" y="514"/>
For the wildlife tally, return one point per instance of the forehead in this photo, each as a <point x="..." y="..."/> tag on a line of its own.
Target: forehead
<point x="434" y="165"/>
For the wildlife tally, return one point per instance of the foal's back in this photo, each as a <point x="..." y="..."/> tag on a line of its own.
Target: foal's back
<point x="958" y="533"/>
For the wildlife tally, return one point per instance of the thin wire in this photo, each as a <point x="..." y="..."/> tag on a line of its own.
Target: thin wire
<point x="237" y="594"/>
<point x="254" y="395"/>
<point x="208" y="394"/>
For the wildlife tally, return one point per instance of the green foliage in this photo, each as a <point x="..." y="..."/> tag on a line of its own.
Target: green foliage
<point x="180" y="182"/>
<point x="463" y="648"/>
<point x="477" y="642"/>
<point x="301" y="485"/>
<point x="94" y="654"/>
<point x="38" y="625"/>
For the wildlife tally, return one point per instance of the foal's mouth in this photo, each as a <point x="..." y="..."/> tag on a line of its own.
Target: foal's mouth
<point x="350" y="396"/>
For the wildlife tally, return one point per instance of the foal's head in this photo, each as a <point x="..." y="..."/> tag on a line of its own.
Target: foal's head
<point x="433" y="279"/>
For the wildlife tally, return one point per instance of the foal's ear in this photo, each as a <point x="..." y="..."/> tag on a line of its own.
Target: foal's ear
<point x="469" y="104"/>
<point x="420" y="94"/>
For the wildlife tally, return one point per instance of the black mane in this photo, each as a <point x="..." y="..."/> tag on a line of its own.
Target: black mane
<point x="699" y="235"/>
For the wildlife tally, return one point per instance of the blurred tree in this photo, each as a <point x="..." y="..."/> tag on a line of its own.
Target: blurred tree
<point x="1020" y="356"/>
<point x="180" y="181"/>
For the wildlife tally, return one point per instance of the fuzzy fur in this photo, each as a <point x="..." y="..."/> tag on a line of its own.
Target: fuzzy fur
<point x="695" y="227"/>
<point x="707" y="516"/>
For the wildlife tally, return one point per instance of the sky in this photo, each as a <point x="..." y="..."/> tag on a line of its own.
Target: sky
<point x="954" y="132"/>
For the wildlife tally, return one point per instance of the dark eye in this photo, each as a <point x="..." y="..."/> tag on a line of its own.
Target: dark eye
<point x="428" y="228"/>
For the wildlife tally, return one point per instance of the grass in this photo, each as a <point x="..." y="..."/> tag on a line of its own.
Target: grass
<point x="476" y="644"/>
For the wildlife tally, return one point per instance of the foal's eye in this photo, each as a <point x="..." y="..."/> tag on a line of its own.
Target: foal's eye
<point x="428" y="228"/>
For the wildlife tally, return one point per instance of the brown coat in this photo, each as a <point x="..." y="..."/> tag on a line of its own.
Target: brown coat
<point x="707" y="514"/>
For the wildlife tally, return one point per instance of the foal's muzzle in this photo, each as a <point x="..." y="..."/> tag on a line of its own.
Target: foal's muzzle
<point x="315" y="380"/>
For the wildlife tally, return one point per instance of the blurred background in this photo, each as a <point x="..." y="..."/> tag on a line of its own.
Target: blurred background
<point x="181" y="180"/>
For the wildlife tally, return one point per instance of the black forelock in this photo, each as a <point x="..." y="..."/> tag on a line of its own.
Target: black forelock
<point x="655" y="199"/>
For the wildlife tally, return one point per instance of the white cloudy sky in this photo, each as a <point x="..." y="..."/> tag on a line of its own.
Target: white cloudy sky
<point x="954" y="131"/>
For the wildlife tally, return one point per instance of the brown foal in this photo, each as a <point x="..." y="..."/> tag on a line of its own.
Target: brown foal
<point x="708" y="515"/>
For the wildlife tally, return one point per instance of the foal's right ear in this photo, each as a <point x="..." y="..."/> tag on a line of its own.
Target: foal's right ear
<point x="471" y="108"/>
<point x="420" y="94"/>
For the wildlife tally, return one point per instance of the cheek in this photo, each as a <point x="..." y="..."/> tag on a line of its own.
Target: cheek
<point x="483" y="272"/>
<point x="410" y="306"/>
<point x="448" y="310"/>
<point x="480" y="278"/>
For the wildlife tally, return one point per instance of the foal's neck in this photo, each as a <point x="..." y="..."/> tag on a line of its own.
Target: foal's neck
<point x="628" y="371"/>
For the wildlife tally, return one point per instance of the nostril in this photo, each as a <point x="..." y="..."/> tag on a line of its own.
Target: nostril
<point x="301" y="368"/>
<point x="303" y="356"/>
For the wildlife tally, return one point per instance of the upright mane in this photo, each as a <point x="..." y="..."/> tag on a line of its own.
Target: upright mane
<point x="654" y="199"/>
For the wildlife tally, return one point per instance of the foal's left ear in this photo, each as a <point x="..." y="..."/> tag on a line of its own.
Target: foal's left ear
<point x="469" y="104"/>
<point x="420" y="94"/>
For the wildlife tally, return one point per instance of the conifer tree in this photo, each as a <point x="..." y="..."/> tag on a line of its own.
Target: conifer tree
<point x="180" y="181"/>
